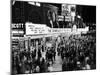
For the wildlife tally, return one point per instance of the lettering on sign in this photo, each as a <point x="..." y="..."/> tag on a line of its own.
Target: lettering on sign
<point x="17" y="26"/>
<point x="32" y="29"/>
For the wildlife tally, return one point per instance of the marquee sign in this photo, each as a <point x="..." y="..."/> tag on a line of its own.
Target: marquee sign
<point x="41" y="29"/>
<point x="34" y="29"/>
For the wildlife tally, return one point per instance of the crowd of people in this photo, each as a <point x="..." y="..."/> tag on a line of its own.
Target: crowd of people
<point x="77" y="53"/>
<point x="33" y="61"/>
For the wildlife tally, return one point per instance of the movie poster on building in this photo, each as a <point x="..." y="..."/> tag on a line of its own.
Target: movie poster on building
<point x="52" y="37"/>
